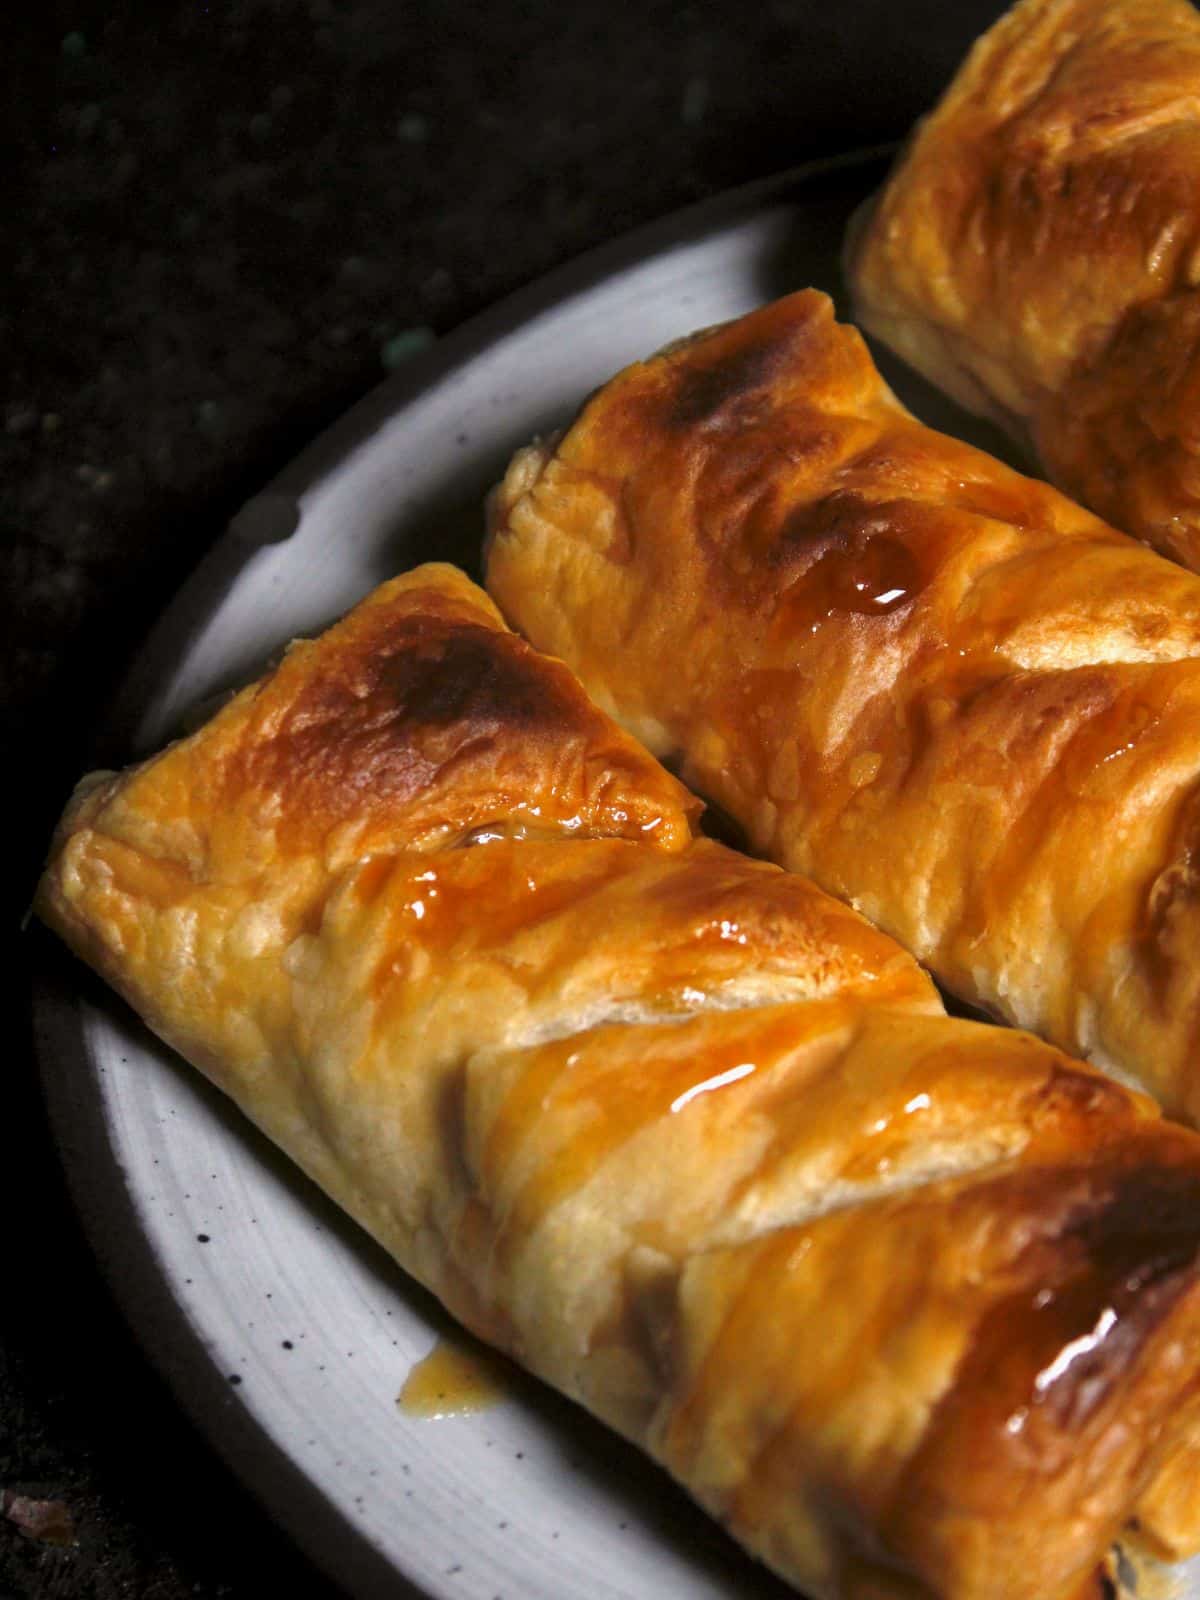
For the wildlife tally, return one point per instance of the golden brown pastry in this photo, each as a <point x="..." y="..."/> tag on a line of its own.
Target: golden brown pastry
<point x="911" y="1303"/>
<point x="1037" y="251"/>
<point x="941" y="689"/>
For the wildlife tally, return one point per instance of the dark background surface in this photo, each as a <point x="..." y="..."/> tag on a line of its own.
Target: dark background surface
<point x="222" y="223"/>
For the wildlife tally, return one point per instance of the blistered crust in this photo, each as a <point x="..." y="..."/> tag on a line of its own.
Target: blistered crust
<point x="683" y="1134"/>
<point x="1035" y="251"/>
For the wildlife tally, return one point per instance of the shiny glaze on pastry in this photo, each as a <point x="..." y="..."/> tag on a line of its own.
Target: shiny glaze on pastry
<point x="912" y="1304"/>
<point x="953" y="697"/>
<point x="1036" y="251"/>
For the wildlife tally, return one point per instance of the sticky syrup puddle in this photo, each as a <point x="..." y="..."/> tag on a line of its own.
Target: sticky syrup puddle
<point x="455" y="1380"/>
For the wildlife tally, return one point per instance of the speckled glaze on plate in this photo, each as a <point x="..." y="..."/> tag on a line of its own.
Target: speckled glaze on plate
<point x="286" y="1333"/>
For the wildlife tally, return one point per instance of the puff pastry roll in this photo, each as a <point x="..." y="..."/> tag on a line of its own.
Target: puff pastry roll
<point x="1036" y="251"/>
<point x="950" y="695"/>
<point x="911" y="1303"/>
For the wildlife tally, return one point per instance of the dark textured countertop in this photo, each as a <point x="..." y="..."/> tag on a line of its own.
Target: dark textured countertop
<point x="224" y="220"/>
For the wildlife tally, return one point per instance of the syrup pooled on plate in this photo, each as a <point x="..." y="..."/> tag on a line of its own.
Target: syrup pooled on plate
<point x="454" y="1380"/>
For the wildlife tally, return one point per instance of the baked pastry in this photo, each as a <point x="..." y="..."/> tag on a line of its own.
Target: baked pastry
<point x="911" y="1303"/>
<point x="948" y="694"/>
<point x="1035" y="251"/>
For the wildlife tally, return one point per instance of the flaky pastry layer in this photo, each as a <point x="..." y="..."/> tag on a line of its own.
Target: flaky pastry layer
<point x="912" y="1304"/>
<point x="1036" y="251"/>
<point x="943" y="690"/>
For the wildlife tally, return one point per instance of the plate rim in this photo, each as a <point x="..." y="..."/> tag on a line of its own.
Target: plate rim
<point x="96" y="1182"/>
<point x="169" y="637"/>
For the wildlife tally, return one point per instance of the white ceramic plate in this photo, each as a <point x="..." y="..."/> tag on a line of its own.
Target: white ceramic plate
<point x="232" y="1266"/>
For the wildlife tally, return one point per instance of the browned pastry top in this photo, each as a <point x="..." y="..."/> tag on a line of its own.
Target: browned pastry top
<point x="1036" y="251"/>
<point x="912" y="1304"/>
<point x="941" y="688"/>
